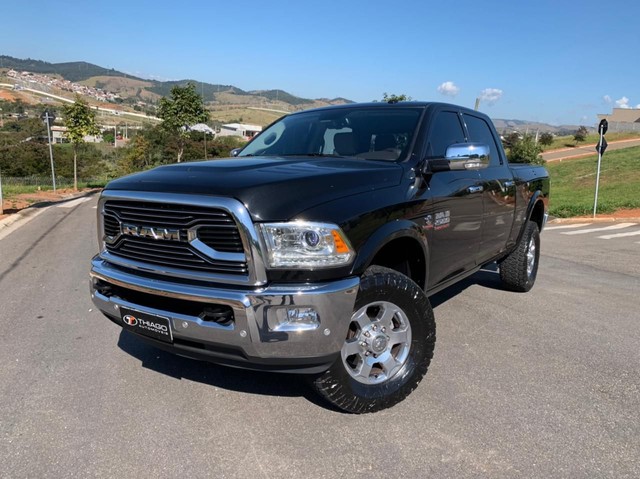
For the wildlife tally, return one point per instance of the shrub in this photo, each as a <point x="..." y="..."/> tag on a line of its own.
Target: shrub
<point x="526" y="150"/>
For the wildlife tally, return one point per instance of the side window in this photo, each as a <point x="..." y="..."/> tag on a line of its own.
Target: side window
<point x="446" y="131"/>
<point x="480" y="132"/>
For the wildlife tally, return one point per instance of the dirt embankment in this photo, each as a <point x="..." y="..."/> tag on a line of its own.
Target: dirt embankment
<point x="19" y="202"/>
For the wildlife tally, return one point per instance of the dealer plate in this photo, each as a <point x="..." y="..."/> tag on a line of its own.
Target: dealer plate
<point x="157" y="327"/>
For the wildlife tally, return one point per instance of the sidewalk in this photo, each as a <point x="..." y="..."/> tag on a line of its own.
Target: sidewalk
<point x="583" y="151"/>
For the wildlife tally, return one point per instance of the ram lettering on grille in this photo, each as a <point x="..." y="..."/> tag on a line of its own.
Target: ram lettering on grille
<point x="154" y="233"/>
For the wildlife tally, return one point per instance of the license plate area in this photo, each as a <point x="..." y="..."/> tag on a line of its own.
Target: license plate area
<point x="151" y="325"/>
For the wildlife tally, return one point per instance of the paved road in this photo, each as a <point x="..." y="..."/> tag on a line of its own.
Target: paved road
<point x="544" y="384"/>
<point x="585" y="150"/>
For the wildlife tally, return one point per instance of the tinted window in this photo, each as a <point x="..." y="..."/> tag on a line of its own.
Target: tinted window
<point x="480" y="132"/>
<point x="446" y="131"/>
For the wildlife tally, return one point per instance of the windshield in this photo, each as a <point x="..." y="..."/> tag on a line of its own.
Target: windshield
<point x="370" y="133"/>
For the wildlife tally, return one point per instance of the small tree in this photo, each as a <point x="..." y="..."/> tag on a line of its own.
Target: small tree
<point x="526" y="151"/>
<point x="80" y="121"/>
<point x="509" y="140"/>
<point x="581" y="134"/>
<point x="395" y="98"/>
<point x="184" y="109"/>
<point x="546" y="138"/>
<point x="137" y="156"/>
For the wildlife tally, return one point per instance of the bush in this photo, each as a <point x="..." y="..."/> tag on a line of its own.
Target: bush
<point x="526" y="150"/>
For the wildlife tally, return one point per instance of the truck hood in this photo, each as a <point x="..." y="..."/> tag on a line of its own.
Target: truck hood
<point x="272" y="188"/>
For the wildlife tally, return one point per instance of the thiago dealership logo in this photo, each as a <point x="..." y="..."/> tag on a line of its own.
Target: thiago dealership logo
<point x="130" y="320"/>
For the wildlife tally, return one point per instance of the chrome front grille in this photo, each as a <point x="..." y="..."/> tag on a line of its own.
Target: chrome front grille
<point x="177" y="236"/>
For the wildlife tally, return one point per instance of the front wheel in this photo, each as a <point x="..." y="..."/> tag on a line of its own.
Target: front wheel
<point x="388" y="348"/>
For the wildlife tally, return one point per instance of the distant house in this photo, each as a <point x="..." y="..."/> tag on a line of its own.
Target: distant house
<point x="58" y="135"/>
<point x="239" y="129"/>
<point x="623" y="119"/>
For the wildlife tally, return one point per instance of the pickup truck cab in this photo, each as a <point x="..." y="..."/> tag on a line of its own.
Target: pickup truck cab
<point x="316" y="248"/>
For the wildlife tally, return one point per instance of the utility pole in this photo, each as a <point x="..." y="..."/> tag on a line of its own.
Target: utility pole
<point x="477" y="104"/>
<point x="49" y="118"/>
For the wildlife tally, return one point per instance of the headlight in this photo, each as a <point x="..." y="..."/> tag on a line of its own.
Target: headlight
<point x="305" y="245"/>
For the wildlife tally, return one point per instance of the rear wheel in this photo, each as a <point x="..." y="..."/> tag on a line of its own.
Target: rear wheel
<point x="388" y="348"/>
<point x="519" y="270"/>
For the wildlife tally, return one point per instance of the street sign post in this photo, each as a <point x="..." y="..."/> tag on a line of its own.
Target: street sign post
<point x="49" y="118"/>
<point x="600" y="148"/>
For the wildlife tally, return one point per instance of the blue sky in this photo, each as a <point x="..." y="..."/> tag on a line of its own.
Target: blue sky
<point x="553" y="61"/>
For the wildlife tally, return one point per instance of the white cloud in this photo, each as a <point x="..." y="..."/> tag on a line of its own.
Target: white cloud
<point x="490" y="95"/>
<point x="623" y="102"/>
<point x="448" y="88"/>
<point x="607" y="99"/>
<point x="638" y="106"/>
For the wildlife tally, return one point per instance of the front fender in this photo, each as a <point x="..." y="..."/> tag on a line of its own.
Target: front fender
<point x="385" y="235"/>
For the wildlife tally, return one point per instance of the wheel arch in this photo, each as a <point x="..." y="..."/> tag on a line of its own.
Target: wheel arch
<point x="401" y="246"/>
<point x="536" y="209"/>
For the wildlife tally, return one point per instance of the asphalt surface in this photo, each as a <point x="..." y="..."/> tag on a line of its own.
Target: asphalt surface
<point x="543" y="384"/>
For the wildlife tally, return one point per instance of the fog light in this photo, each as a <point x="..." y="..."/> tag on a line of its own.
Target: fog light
<point x="295" y="319"/>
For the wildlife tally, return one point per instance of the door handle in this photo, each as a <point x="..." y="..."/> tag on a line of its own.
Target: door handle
<point x="509" y="184"/>
<point x="475" y="189"/>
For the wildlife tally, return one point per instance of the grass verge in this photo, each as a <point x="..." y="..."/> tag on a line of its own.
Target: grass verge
<point x="573" y="183"/>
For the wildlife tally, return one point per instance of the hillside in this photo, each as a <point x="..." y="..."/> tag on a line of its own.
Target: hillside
<point x="507" y="126"/>
<point x="72" y="71"/>
<point x="128" y="86"/>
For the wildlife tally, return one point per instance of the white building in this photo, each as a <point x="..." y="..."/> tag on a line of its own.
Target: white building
<point x="58" y="135"/>
<point x="239" y="129"/>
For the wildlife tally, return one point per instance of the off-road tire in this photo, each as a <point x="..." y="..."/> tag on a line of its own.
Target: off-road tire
<point x="518" y="271"/>
<point x="385" y="292"/>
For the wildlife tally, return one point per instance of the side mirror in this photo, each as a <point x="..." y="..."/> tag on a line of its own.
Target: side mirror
<point x="235" y="151"/>
<point x="460" y="156"/>
<point x="468" y="156"/>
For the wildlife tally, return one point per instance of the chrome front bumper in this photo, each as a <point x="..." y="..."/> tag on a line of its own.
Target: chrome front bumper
<point x="255" y="339"/>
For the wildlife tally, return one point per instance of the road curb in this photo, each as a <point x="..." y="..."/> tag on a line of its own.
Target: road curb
<point x="26" y="214"/>
<point x="589" y="219"/>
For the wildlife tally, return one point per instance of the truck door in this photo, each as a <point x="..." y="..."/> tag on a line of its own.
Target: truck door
<point x="499" y="190"/>
<point x="454" y="214"/>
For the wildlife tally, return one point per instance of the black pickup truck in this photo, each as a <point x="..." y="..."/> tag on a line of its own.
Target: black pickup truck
<point x="316" y="248"/>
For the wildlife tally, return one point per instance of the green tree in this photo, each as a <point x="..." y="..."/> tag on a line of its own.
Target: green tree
<point x="80" y="121"/>
<point x="581" y="134"/>
<point x="138" y="157"/>
<point x="511" y="139"/>
<point x="184" y="109"/>
<point x="526" y="151"/>
<point x="546" y="138"/>
<point x="392" y="98"/>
